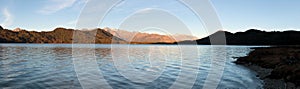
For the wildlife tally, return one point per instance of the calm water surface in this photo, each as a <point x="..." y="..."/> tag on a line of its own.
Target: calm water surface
<point x="33" y="66"/>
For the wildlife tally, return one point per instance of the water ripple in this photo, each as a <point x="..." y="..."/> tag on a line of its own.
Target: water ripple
<point x="50" y="66"/>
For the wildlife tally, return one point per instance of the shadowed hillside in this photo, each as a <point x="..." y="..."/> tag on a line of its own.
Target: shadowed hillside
<point x="256" y="37"/>
<point x="59" y="35"/>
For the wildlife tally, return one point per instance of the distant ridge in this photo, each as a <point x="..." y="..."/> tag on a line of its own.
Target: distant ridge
<point x="255" y="37"/>
<point x="139" y="37"/>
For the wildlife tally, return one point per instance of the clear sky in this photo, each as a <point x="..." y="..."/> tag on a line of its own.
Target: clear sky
<point x="235" y="15"/>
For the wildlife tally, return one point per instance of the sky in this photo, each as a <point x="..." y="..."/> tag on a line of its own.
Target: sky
<point x="234" y="15"/>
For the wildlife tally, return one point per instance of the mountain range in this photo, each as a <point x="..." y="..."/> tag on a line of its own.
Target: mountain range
<point x="103" y="36"/>
<point x="108" y="36"/>
<point x="139" y="37"/>
<point x="254" y="37"/>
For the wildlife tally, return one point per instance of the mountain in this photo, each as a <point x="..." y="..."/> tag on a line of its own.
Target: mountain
<point x="255" y="37"/>
<point x="59" y="35"/>
<point x="138" y="37"/>
<point x="184" y="37"/>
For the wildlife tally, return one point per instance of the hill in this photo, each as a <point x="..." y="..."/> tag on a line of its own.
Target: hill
<point x="255" y="37"/>
<point x="59" y="35"/>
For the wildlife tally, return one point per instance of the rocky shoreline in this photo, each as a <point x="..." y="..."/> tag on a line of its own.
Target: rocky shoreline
<point x="278" y="67"/>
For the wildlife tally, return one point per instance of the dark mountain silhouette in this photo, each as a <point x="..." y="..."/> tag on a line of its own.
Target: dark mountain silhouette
<point x="59" y="35"/>
<point x="1" y="28"/>
<point x="255" y="37"/>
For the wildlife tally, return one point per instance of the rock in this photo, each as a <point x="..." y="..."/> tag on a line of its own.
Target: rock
<point x="284" y="63"/>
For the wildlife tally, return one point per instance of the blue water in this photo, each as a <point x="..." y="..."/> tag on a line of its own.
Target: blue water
<point x="33" y="66"/>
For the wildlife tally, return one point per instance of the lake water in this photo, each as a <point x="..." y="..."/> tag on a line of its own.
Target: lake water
<point x="33" y="66"/>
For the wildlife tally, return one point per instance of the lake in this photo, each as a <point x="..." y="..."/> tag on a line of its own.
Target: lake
<point x="34" y="66"/>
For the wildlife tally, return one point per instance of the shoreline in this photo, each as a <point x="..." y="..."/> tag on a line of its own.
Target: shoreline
<point x="277" y="67"/>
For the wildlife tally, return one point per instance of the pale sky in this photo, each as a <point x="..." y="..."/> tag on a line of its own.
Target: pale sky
<point x="235" y="15"/>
